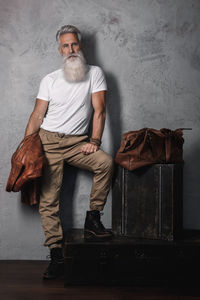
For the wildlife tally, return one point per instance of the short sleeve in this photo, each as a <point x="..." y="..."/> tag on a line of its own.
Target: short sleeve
<point x="99" y="81"/>
<point x="43" y="93"/>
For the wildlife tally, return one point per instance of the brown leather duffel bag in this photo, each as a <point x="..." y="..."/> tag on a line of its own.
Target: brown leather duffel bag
<point x="149" y="146"/>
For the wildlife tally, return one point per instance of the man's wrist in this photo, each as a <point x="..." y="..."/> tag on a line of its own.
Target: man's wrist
<point x="96" y="142"/>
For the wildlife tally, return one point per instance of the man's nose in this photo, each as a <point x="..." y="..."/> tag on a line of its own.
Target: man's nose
<point x="71" y="49"/>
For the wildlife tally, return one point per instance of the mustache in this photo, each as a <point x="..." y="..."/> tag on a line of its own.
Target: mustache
<point x="72" y="55"/>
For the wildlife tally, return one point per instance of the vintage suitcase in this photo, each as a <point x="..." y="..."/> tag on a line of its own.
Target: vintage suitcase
<point x="127" y="261"/>
<point x="147" y="202"/>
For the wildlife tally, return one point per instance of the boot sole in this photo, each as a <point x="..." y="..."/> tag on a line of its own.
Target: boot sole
<point x="92" y="236"/>
<point x="60" y="273"/>
<point x="52" y="277"/>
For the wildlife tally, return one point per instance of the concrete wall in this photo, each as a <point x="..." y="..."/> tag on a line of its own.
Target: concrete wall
<point x="150" y="52"/>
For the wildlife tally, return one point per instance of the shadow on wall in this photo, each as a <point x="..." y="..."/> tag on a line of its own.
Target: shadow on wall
<point x="113" y="94"/>
<point x="67" y="195"/>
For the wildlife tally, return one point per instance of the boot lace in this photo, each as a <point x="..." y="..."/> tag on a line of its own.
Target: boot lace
<point x="98" y="223"/>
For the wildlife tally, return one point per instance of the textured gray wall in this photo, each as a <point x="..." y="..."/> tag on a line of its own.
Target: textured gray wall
<point x="150" y="52"/>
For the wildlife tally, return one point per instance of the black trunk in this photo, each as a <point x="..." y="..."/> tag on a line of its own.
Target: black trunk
<point x="147" y="202"/>
<point x="127" y="261"/>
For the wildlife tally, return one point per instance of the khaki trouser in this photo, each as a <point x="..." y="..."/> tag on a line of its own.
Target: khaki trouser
<point x="60" y="148"/>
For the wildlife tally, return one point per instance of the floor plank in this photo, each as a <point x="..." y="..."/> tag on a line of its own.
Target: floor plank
<point x="22" y="280"/>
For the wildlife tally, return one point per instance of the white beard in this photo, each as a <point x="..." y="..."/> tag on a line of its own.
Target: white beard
<point x="74" y="67"/>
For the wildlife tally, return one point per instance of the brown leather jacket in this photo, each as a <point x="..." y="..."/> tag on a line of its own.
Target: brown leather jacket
<point x="27" y="165"/>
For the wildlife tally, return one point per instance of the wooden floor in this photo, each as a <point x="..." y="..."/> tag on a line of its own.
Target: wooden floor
<point x="23" y="280"/>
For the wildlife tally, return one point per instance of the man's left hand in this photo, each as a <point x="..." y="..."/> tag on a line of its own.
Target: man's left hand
<point x="89" y="148"/>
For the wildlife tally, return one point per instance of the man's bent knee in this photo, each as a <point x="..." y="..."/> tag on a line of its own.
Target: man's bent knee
<point x="105" y="162"/>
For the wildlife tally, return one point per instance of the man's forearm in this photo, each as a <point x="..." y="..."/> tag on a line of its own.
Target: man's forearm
<point x="34" y="123"/>
<point x="98" y="125"/>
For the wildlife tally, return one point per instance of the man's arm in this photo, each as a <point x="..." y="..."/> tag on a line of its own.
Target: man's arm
<point x="37" y="116"/>
<point x="99" y="105"/>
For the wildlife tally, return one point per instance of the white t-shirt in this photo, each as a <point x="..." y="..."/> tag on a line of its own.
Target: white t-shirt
<point x="70" y="107"/>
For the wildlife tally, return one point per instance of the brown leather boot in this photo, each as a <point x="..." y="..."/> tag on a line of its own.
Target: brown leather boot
<point x="93" y="227"/>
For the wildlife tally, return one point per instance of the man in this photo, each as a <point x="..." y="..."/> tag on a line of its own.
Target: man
<point x="66" y="101"/>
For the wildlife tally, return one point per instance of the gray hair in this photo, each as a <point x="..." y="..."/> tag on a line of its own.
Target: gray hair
<point x="68" y="29"/>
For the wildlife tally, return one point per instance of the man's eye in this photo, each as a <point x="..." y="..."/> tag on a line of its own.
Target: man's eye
<point x="65" y="45"/>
